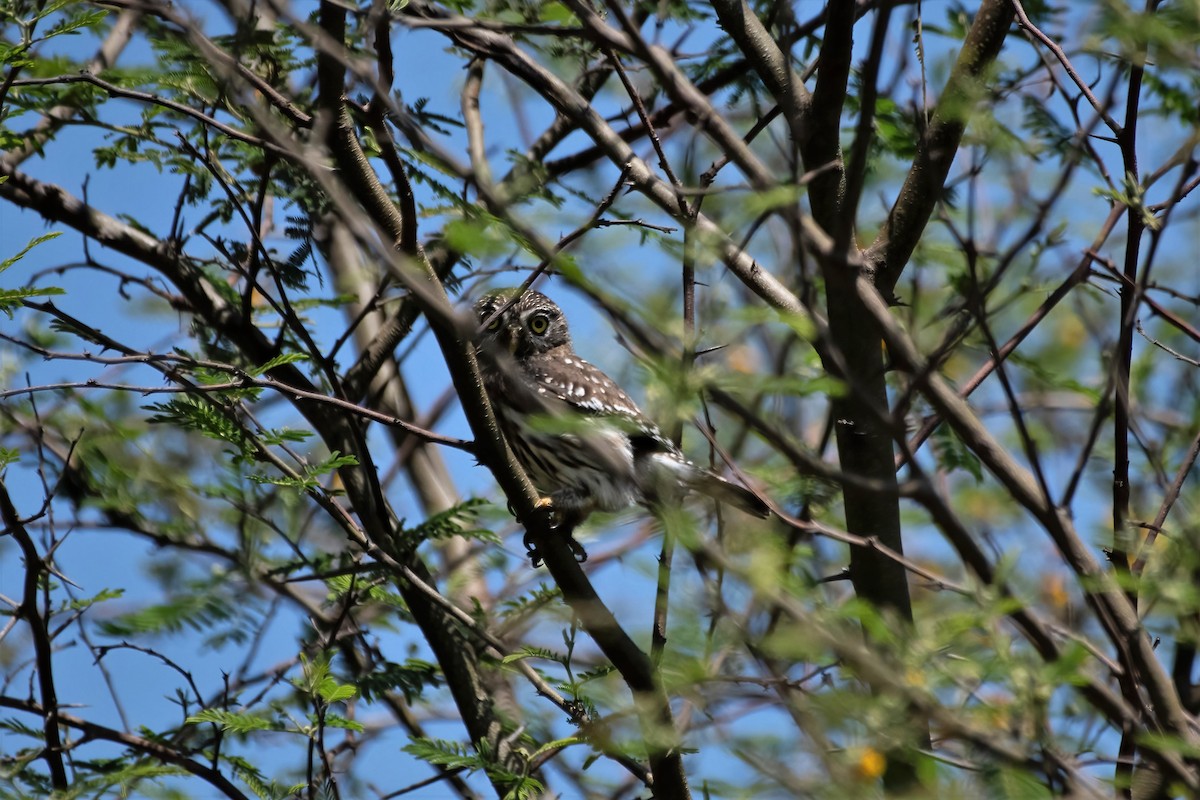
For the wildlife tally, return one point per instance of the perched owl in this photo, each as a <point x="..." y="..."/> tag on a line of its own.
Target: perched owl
<point x="581" y="438"/>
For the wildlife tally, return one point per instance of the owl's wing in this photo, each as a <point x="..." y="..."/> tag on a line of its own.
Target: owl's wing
<point x="572" y="385"/>
<point x="584" y="389"/>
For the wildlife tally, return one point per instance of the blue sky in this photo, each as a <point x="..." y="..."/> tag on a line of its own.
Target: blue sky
<point x="102" y="559"/>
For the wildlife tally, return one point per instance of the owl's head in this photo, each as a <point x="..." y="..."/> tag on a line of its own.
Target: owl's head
<point x="531" y="325"/>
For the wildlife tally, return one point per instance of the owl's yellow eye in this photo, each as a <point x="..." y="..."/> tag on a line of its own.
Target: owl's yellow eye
<point x="489" y="313"/>
<point x="538" y="323"/>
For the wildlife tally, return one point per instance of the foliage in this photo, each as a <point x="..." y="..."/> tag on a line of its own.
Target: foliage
<point x="933" y="299"/>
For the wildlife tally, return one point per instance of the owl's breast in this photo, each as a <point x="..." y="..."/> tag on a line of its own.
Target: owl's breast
<point x="588" y="459"/>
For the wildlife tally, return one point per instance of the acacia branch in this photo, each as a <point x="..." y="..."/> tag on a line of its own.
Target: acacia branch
<point x="568" y="102"/>
<point x="54" y="118"/>
<point x="1101" y="589"/>
<point x="936" y="150"/>
<point x="416" y="274"/>
<point x="1060" y="55"/>
<point x="337" y="431"/>
<point x="864" y="131"/>
<point x="769" y="62"/>
<point x="157" y="750"/>
<point x="154" y="100"/>
<point x="224" y="64"/>
<point x="39" y="632"/>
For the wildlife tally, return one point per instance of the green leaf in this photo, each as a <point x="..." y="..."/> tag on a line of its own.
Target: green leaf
<point x="1069" y="668"/>
<point x="783" y="385"/>
<point x="1054" y="377"/>
<point x="451" y="755"/>
<point x="335" y="461"/>
<point x="527" y="788"/>
<point x="335" y="721"/>
<point x="533" y="652"/>
<point x="200" y="415"/>
<point x="784" y="196"/>
<point x="558" y="744"/>
<point x="8" y="262"/>
<point x="310" y="480"/>
<point x="232" y="721"/>
<point x="556" y="12"/>
<point x="18" y="727"/>
<point x="277" y="361"/>
<point x="484" y="236"/>
<point x="11" y="298"/>
<point x="73" y="24"/>
<point x="456" y="521"/>
<point x="252" y="776"/>
<point x="318" y="681"/>
<point x="522" y="606"/>
<point x="199" y="608"/>
<point x="411" y="678"/>
<point x="952" y="454"/>
<point x="333" y="692"/>
<point x="593" y="674"/>
<point x="281" y="435"/>
<point x="100" y="597"/>
<point x="315" y="671"/>
<point x="1014" y="784"/>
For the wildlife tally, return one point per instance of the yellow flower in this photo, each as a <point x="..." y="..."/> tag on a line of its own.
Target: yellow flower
<point x="871" y="764"/>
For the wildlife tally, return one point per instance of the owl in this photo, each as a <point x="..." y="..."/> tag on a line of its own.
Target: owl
<point x="585" y="444"/>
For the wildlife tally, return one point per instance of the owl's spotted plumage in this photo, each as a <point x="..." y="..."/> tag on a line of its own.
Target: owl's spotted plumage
<point x="583" y="441"/>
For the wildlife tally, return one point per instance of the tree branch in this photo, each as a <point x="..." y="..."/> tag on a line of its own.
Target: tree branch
<point x="39" y="632"/>
<point x="162" y="752"/>
<point x="922" y="188"/>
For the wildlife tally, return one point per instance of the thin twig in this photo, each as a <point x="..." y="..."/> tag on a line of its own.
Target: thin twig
<point x="1076" y="78"/>
<point x="1168" y="501"/>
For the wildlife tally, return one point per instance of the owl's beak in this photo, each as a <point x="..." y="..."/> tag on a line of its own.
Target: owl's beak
<point x="513" y="334"/>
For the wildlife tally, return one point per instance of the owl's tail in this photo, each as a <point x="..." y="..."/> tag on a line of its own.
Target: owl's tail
<point x="740" y="497"/>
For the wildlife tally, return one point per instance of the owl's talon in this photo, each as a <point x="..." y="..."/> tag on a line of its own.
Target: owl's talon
<point x="531" y="550"/>
<point x="545" y="507"/>
<point x="577" y="550"/>
<point x="535" y="555"/>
